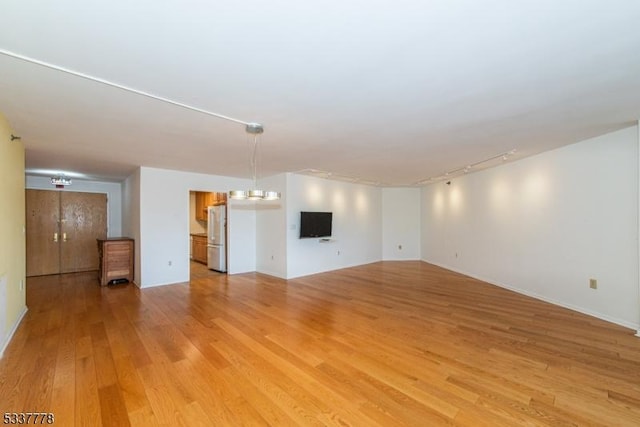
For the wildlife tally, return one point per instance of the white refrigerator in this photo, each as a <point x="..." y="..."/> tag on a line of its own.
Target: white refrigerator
<point x="217" y="238"/>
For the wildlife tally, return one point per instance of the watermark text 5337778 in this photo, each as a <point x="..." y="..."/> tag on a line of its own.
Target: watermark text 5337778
<point x="28" y="418"/>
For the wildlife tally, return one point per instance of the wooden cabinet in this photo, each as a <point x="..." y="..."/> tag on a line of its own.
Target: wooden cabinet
<point x="216" y="199"/>
<point x="116" y="259"/>
<point x="199" y="248"/>
<point x="204" y="200"/>
<point x="201" y="205"/>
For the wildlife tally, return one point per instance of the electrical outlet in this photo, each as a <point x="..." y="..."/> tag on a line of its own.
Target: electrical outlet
<point x="593" y="283"/>
<point x="170" y="263"/>
<point x="399" y="247"/>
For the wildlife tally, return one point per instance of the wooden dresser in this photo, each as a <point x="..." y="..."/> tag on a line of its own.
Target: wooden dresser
<point x="116" y="260"/>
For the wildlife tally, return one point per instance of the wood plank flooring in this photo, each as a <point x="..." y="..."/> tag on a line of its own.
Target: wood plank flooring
<point x="388" y="344"/>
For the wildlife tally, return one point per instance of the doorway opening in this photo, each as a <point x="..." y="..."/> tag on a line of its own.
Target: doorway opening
<point x="208" y="237"/>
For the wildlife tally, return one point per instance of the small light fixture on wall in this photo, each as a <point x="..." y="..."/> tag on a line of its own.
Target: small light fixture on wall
<point x="254" y="129"/>
<point x="60" y="181"/>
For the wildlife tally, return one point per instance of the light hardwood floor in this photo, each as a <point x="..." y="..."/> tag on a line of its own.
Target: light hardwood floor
<point x="199" y="271"/>
<point x="390" y="343"/>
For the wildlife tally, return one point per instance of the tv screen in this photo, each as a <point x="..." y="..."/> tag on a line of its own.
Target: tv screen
<point x="315" y="224"/>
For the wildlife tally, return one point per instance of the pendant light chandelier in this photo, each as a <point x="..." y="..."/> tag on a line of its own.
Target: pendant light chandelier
<point x="254" y="129"/>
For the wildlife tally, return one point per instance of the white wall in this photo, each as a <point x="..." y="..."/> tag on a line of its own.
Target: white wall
<point x="113" y="191"/>
<point x="164" y="225"/>
<point x="271" y="229"/>
<point x="357" y="225"/>
<point x="545" y="225"/>
<point x="131" y="217"/>
<point x="401" y="223"/>
<point x="241" y="229"/>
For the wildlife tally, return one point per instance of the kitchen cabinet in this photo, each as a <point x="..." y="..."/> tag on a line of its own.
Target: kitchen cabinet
<point x="216" y="199"/>
<point x="199" y="248"/>
<point x="116" y="259"/>
<point x="204" y="200"/>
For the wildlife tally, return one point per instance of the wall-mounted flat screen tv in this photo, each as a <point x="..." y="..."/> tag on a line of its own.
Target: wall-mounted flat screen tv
<point x="315" y="224"/>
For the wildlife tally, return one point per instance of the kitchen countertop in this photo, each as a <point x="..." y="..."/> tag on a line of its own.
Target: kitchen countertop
<point x="199" y="234"/>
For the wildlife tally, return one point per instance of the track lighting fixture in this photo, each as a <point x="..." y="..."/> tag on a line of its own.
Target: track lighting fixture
<point x="482" y="164"/>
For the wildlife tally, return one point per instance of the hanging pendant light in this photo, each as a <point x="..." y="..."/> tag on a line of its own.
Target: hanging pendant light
<point x="254" y="129"/>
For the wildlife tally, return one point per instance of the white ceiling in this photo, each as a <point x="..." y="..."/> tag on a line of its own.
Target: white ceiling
<point x="385" y="91"/>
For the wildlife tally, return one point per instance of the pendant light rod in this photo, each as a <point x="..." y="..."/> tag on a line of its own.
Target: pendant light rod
<point x="121" y="87"/>
<point x="254" y="129"/>
<point x="254" y="166"/>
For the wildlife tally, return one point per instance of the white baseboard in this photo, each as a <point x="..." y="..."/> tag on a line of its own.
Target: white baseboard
<point x="13" y="330"/>
<point x="271" y="273"/>
<point x="582" y="310"/>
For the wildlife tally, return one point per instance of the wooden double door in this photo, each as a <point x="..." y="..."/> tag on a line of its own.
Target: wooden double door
<point x="61" y="231"/>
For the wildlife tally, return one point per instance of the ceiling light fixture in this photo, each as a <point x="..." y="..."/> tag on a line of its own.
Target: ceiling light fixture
<point x="482" y="164"/>
<point x="254" y="129"/>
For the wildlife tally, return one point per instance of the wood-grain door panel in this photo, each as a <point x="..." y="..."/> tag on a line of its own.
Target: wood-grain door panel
<point x="84" y="219"/>
<point x="43" y="234"/>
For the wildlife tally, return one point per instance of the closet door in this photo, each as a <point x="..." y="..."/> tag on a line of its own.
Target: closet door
<point x="84" y="220"/>
<point x="62" y="229"/>
<point x="43" y="233"/>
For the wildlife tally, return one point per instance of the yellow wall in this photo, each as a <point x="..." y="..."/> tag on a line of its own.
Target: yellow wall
<point x="12" y="237"/>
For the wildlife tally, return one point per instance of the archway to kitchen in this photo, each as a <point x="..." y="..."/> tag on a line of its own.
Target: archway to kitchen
<point x="208" y="237"/>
